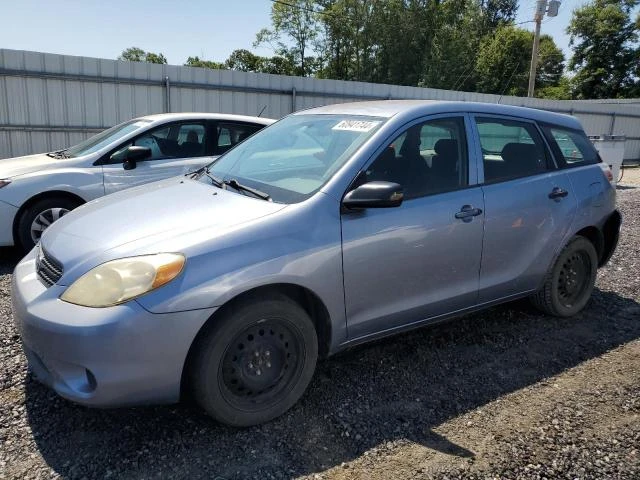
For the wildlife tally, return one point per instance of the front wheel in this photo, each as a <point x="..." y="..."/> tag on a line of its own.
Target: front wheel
<point x="568" y="286"/>
<point x="255" y="361"/>
<point x="39" y="216"/>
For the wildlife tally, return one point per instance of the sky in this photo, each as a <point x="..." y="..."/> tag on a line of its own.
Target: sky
<point x="209" y="29"/>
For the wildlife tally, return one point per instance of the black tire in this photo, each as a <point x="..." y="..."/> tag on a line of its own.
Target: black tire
<point x="29" y="215"/>
<point x="255" y="360"/>
<point x="568" y="285"/>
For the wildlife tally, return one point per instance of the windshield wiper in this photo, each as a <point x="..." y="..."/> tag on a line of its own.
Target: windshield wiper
<point x="233" y="183"/>
<point x="205" y="171"/>
<point x="59" y="154"/>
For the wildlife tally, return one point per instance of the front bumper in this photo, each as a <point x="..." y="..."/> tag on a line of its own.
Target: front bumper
<point x="7" y="216"/>
<point x="103" y="357"/>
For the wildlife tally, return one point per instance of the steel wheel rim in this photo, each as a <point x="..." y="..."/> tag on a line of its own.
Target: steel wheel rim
<point x="573" y="279"/>
<point x="44" y="220"/>
<point x="259" y="364"/>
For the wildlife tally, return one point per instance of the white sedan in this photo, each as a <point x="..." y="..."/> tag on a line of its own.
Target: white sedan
<point x="36" y="190"/>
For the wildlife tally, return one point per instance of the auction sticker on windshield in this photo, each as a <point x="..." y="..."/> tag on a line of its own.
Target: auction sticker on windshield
<point x="356" y="125"/>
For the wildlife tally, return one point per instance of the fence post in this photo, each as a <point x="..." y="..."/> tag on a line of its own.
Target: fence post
<point x="293" y="99"/>
<point x="167" y="94"/>
<point x="613" y="123"/>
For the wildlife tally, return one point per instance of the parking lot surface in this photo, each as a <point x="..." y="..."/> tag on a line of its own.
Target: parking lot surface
<point x="507" y="393"/>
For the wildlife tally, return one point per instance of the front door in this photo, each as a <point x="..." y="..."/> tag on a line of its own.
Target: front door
<point x="176" y="149"/>
<point x="529" y="207"/>
<point x="422" y="259"/>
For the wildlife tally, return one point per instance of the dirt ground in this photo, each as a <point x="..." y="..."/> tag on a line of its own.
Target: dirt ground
<point x="505" y="393"/>
<point x="630" y="176"/>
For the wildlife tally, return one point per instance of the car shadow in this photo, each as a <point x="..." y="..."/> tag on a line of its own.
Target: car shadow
<point x="9" y="257"/>
<point x="397" y="389"/>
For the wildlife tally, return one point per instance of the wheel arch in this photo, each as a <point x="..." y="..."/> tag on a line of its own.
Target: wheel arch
<point x="611" y="234"/>
<point x="595" y="236"/>
<point x="303" y="296"/>
<point x="37" y="198"/>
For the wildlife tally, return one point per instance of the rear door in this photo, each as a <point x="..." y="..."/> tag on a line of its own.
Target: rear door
<point x="421" y="259"/>
<point x="529" y="206"/>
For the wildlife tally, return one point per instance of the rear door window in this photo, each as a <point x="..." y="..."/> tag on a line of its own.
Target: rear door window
<point x="510" y="149"/>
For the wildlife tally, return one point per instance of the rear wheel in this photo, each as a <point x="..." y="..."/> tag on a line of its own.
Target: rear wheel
<point x="39" y="216"/>
<point x="568" y="286"/>
<point x="255" y="362"/>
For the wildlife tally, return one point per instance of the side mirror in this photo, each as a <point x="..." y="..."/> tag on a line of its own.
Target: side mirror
<point x="133" y="154"/>
<point x="374" y="195"/>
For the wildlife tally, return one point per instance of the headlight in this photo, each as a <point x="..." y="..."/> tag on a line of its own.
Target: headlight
<point x="121" y="280"/>
<point x="4" y="182"/>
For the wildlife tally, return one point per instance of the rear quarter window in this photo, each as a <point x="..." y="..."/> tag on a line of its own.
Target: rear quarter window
<point x="571" y="148"/>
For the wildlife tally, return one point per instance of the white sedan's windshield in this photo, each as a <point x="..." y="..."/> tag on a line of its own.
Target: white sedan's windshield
<point x="95" y="143"/>
<point x="293" y="158"/>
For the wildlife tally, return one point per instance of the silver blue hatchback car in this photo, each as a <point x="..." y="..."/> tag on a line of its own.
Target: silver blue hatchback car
<point x="332" y="227"/>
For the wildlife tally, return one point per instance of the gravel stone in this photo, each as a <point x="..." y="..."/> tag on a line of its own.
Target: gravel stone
<point x="505" y="393"/>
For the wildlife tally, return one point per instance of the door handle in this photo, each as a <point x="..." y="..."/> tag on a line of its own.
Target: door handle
<point x="467" y="211"/>
<point x="557" y="192"/>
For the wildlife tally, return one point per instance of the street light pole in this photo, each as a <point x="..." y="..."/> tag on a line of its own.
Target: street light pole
<point x="541" y="9"/>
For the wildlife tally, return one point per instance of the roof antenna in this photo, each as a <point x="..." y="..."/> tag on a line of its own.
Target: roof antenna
<point x="508" y="83"/>
<point x="263" y="109"/>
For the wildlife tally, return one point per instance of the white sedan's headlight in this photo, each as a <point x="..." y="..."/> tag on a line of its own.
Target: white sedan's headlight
<point x="4" y="182"/>
<point x="121" y="280"/>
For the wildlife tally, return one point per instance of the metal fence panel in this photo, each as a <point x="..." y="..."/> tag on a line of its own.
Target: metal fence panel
<point x="50" y="101"/>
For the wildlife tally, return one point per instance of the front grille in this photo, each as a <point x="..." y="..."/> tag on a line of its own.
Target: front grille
<point x="48" y="269"/>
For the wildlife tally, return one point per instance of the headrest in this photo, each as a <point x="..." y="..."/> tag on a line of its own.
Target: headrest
<point x="192" y="136"/>
<point x="516" y="151"/>
<point x="445" y="146"/>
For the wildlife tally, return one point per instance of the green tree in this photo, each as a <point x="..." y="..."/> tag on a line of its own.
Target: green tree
<point x="296" y="20"/>
<point x="245" y="61"/>
<point x="196" y="62"/>
<point x="561" y="91"/>
<point x="606" y="55"/>
<point x="135" y="54"/>
<point x="503" y="62"/>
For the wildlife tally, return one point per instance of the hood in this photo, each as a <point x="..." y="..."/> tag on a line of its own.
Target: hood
<point x="12" y="167"/>
<point x="151" y="212"/>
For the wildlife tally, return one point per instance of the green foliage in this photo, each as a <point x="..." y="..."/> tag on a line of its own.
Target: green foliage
<point x="504" y="59"/>
<point x="196" y="62"/>
<point x="606" y="54"/>
<point x="297" y="20"/>
<point x="245" y="61"/>
<point x="561" y="91"/>
<point x="135" y="54"/>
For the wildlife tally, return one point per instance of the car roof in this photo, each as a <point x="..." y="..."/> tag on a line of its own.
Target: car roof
<point x="207" y="116"/>
<point x="417" y="108"/>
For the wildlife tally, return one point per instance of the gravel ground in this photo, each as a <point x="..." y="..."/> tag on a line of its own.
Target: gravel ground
<point x="507" y="393"/>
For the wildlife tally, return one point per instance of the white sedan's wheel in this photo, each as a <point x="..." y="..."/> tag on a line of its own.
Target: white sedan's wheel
<point x="44" y="220"/>
<point x="39" y="216"/>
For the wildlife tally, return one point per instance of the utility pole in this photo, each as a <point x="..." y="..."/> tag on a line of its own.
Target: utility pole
<point x="541" y="9"/>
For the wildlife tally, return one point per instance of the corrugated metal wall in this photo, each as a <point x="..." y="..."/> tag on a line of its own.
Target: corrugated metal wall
<point x="50" y="101"/>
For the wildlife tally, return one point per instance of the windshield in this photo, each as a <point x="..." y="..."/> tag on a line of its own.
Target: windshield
<point x="101" y="140"/>
<point x="293" y="158"/>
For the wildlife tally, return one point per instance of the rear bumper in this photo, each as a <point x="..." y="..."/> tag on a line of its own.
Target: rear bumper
<point x="102" y="357"/>
<point x="7" y="216"/>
